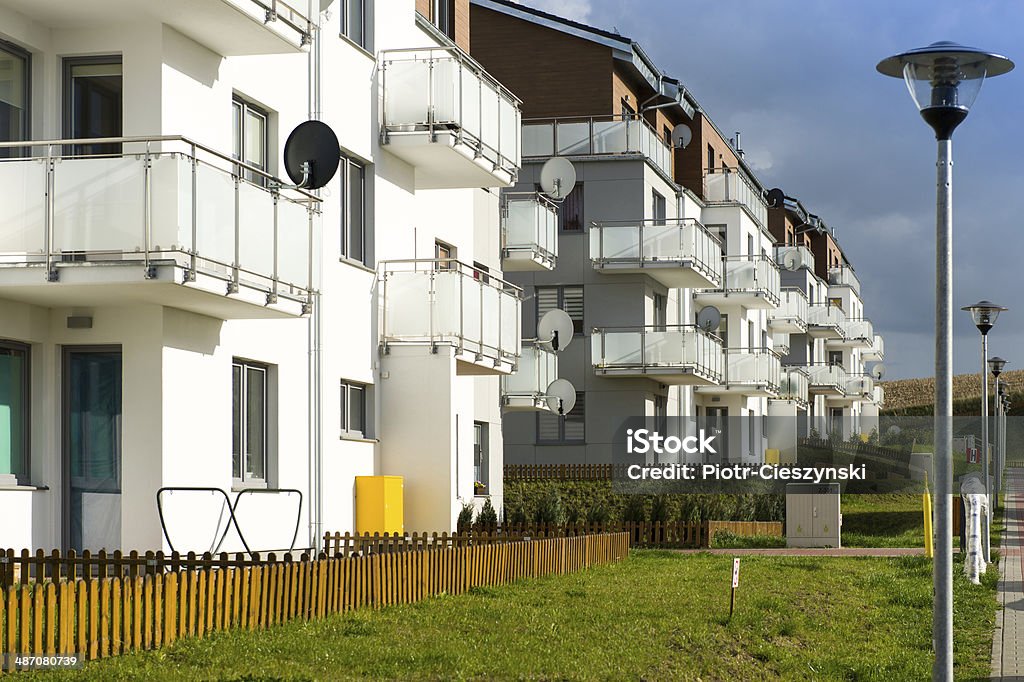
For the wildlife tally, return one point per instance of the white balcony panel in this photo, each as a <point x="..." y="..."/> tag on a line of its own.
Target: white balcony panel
<point x="431" y="302"/>
<point x="858" y="333"/>
<point x="791" y="315"/>
<point x="878" y="396"/>
<point x="804" y="256"/>
<point x="596" y="136"/>
<point x="751" y="372"/>
<point x="825" y="379"/>
<point x="876" y="351"/>
<point x="732" y="186"/>
<point x="844" y="276"/>
<point x="794" y="385"/>
<point x="526" y="388"/>
<point x="673" y="355"/>
<point x="750" y="281"/>
<point x="158" y="241"/>
<point x="445" y="115"/>
<point x="529" y="232"/>
<point x="826" y="321"/>
<point x="677" y="254"/>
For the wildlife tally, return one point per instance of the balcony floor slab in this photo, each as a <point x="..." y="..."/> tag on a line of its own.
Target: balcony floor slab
<point x="446" y="162"/>
<point x="672" y="274"/>
<point x="674" y="376"/>
<point x="748" y="299"/>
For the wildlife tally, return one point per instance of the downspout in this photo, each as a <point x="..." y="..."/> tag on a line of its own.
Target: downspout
<point x="315" y="466"/>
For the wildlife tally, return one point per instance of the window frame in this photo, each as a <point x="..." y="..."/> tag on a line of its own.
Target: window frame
<point x="348" y="164"/>
<point x="26" y="58"/>
<point x="576" y="199"/>
<point x="436" y="16"/>
<point x="481" y="438"/>
<point x="346" y="388"/>
<point x="23" y="477"/>
<point x="246" y="481"/>
<point x="245" y="105"/>
<point x="580" y="408"/>
<point x="67" y="113"/>
<point x="560" y="305"/>
<point x="343" y="30"/>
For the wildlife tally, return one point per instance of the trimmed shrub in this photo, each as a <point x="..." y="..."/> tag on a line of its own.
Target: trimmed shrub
<point x="464" y="524"/>
<point x="487" y="519"/>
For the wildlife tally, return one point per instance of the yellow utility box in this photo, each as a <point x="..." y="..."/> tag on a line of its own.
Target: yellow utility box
<point x="771" y="456"/>
<point x="379" y="506"/>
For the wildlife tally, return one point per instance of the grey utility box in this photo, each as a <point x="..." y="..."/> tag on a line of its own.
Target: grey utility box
<point x="813" y="518"/>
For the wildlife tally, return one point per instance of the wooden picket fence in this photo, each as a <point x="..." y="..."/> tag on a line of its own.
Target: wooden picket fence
<point x="100" y="617"/>
<point x="562" y="472"/>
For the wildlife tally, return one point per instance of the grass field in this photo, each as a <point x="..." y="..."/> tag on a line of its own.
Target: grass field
<point x="655" y="616"/>
<point x="892" y="521"/>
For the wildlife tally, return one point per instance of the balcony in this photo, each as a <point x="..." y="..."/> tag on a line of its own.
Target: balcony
<point x="677" y="253"/>
<point x="750" y="281"/>
<point x="445" y="302"/>
<point x="794" y="385"/>
<point x="876" y="351"/>
<point x="529" y="232"/>
<point x="791" y="315"/>
<point x="447" y="117"/>
<point x="858" y="333"/>
<point x="826" y="379"/>
<point x="678" y="354"/>
<point x="781" y="343"/>
<point x="526" y="388"/>
<point x="165" y="221"/>
<point x="860" y="387"/>
<point x="844" y="276"/>
<point x="607" y="136"/>
<point x="228" y="27"/>
<point x="826" y="321"/>
<point x="731" y="186"/>
<point x="878" y="396"/>
<point x="804" y="256"/>
<point x="750" y="372"/>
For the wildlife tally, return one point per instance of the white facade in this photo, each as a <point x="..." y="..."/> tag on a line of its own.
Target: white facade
<point x="277" y="288"/>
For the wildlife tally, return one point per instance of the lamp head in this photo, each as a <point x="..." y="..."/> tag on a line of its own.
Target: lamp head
<point x="996" y="364"/>
<point x="944" y="78"/>
<point x="984" y="314"/>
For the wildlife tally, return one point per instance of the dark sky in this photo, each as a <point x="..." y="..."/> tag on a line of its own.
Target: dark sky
<point x="798" y="80"/>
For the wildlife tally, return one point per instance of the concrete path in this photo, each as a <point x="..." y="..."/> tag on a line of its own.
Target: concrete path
<point x="1008" y="641"/>
<point x="814" y="551"/>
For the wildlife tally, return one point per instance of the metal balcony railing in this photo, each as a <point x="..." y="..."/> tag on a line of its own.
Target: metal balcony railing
<point x="826" y="315"/>
<point x="685" y="347"/>
<point x="877" y="349"/>
<point x="752" y="367"/>
<point x="435" y="301"/>
<point x="860" y="386"/>
<point x="792" y="310"/>
<point x="860" y="329"/>
<point x="536" y="370"/>
<point x="753" y="275"/>
<point x="529" y="226"/>
<point x="443" y="89"/>
<point x="879" y="396"/>
<point x="804" y="254"/>
<point x="156" y="200"/>
<point x="277" y="10"/>
<point x="596" y="136"/>
<point x="732" y="186"/>
<point x="640" y="242"/>
<point x="781" y="343"/>
<point x="794" y="384"/>
<point x="827" y="376"/>
<point x="844" y="276"/>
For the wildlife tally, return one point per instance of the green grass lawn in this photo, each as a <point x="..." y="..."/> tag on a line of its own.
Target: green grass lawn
<point x="893" y="521"/>
<point x="655" y="616"/>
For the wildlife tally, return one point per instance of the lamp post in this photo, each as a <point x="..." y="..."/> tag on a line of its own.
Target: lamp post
<point x="996" y="365"/>
<point x="944" y="78"/>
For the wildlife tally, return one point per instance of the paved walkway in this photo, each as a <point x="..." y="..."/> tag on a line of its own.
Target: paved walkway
<point x="1008" y="642"/>
<point x="814" y="551"/>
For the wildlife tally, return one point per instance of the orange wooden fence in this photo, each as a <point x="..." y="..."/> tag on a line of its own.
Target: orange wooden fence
<point x="103" y="617"/>
<point x="562" y="472"/>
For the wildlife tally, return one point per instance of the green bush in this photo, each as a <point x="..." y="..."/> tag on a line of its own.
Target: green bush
<point x="464" y="524"/>
<point x="549" y="509"/>
<point x="728" y="539"/>
<point x="660" y="509"/>
<point x="598" y="513"/>
<point x="635" y="510"/>
<point x="487" y="519"/>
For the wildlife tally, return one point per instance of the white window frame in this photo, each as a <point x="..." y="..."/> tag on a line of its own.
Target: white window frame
<point x="242" y="429"/>
<point x="347" y="390"/>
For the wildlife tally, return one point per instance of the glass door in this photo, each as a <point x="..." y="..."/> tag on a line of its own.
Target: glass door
<point x="93" y="96"/>
<point x="92" y="448"/>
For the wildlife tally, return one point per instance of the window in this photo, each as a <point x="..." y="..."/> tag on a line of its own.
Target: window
<point x="657" y="208"/>
<point x="442" y="15"/>
<point x="711" y="159"/>
<point x="481" y="272"/>
<point x="570" y="214"/>
<point x="569" y="299"/>
<point x="92" y="102"/>
<point x="568" y="428"/>
<point x="835" y="357"/>
<point x="249" y="137"/>
<point x="666" y="133"/>
<point x="481" y="464"/>
<point x="353" y="22"/>
<point x="660" y="310"/>
<point x="14" y="411"/>
<point x="444" y="254"/>
<point x="627" y="111"/>
<point x="249" y="422"/>
<point x="353" y="409"/>
<point x="14" y="98"/>
<point x="353" y="210"/>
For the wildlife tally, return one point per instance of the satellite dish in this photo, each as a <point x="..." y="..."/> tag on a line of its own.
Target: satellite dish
<point x="878" y="371"/>
<point x="709" y="318"/>
<point x="311" y="155"/>
<point x="792" y="260"/>
<point x="555" y="330"/>
<point x="681" y="136"/>
<point x="557" y="177"/>
<point x="776" y="198"/>
<point x="561" y="396"/>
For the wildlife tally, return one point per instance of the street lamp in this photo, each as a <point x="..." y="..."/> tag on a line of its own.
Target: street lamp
<point x="944" y="78"/>
<point x="984" y="315"/>
<point x="996" y="365"/>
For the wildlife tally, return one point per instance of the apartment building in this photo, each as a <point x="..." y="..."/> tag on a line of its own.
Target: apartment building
<point x="174" y="315"/>
<point x="656" y="229"/>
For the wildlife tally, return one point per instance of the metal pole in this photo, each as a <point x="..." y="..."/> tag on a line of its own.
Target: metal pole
<point x="942" y="619"/>
<point x="998" y="441"/>
<point x="984" y="443"/>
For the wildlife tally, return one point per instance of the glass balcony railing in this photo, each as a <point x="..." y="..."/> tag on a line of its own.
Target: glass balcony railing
<point x="804" y="258"/>
<point x="732" y="186"/>
<point x="876" y="351"/>
<point x="443" y="301"/>
<point x="529" y="231"/>
<point x="438" y="90"/>
<point x="826" y="378"/>
<point x="781" y="342"/>
<point x="791" y="315"/>
<point x="156" y="201"/>
<point x="794" y="385"/>
<point x="633" y="351"/>
<point x="860" y="386"/>
<point x="878" y="396"/>
<point x="526" y="388"/>
<point x="758" y="367"/>
<point x="755" y="276"/>
<point x="650" y="243"/>
<point x="860" y="330"/>
<point x="827" y="318"/>
<point x="844" y="276"/>
<point x="596" y="136"/>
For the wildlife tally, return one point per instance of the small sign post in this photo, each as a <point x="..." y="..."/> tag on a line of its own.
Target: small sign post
<point x="735" y="584"/>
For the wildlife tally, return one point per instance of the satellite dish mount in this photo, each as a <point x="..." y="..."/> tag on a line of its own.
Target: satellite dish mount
<point x="311" y="155"/>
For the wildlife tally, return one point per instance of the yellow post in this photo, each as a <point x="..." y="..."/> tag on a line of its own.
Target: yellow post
<point x="929" y="548"/>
